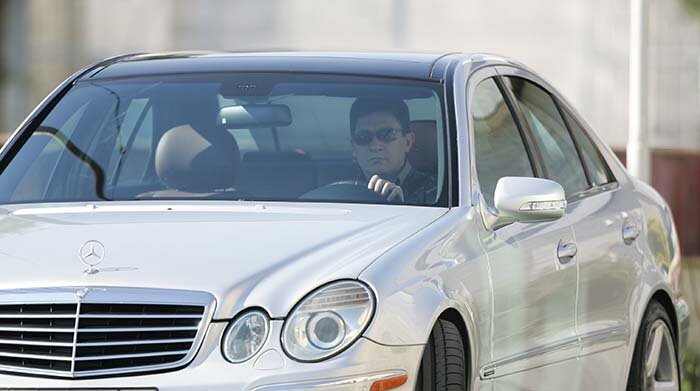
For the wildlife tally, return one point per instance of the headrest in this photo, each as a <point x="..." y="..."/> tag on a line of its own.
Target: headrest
<point x="423" y="154"/>
<point x="187" y="161"/>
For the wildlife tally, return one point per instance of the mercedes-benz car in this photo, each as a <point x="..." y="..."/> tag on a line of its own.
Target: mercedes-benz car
<point x="328" y="221"/>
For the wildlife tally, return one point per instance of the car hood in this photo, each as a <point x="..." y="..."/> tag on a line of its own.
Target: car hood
<point x="245" y="254"/>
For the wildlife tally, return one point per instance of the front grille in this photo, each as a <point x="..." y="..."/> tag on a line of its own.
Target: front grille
<point x="99" y="334"/>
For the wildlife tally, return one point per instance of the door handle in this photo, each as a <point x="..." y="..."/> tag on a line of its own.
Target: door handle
<point x="630" y="232"/>
<point x="566" y="252"/>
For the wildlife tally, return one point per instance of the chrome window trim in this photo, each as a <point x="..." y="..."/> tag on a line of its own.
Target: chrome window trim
<point x="592" y="192"/>
<point x="111" y="295"/>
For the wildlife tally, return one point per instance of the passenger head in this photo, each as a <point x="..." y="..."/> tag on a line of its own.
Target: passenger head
<point x="380" y="135"/>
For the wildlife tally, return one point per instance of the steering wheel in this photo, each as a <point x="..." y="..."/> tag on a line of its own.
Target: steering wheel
<point x="345" y="191"/>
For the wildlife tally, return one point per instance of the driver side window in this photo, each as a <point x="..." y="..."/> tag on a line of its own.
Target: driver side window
<point x="499" y="147"/>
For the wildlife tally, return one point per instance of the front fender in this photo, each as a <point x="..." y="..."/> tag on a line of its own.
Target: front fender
<point x="441" y="267"/>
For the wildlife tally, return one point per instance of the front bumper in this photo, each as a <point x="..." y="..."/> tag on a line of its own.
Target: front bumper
<point x="270" y="370"/>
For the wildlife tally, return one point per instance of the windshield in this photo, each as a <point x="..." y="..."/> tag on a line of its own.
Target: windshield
<point x="271" y="137"/>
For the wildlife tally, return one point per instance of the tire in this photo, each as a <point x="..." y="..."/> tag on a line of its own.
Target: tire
<point x="443" y="366"/>
<point x="644" y="374"/>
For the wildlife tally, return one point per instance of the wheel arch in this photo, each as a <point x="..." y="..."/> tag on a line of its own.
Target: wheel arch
<point x="663" y="298"/>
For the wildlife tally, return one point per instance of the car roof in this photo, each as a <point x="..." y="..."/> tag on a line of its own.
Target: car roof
<point x="421" y="66"/>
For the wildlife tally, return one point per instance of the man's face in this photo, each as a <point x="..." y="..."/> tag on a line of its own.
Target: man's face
<point x="381" y="157"/>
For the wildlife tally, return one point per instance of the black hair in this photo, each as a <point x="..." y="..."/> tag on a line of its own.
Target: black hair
<point x="370" y="105"/>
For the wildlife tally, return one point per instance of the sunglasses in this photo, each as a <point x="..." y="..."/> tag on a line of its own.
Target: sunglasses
<point x="385" y="135"/>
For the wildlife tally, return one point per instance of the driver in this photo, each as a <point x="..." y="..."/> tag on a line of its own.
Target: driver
<point x="381" y="139"/>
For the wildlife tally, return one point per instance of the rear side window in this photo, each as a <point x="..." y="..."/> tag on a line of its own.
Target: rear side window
<point x="499" y="147"/>
<point x="596" y="166"/>
<point x="559" y="154"/>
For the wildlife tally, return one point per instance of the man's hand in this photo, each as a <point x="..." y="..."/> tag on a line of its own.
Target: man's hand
<point x="388" y="190"/>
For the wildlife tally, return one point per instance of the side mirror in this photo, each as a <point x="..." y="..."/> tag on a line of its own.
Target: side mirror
<point x="525" y="200"/>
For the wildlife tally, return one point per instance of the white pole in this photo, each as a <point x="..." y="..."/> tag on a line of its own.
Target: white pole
<point x="15" y="56"/>
<point x="638" y="155"/>
<point x="399" y="15"/>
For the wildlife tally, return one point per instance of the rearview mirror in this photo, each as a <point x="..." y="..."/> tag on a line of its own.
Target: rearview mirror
<point x="254" y="116"/>
<point x="525" y="200"/>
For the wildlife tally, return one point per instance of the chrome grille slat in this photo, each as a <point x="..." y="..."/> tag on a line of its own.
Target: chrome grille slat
<point x="138" y="355"/>
<point x="35" y="343"/>
<point x="19" y="348"/>
<point x="36" y="356"/>
<point x="37" y="329"/>
<point x="107" y="331"/>
<point x="135" y="329"/>
<point x="36" y="316"/>
<point x="75" y="339"/>
<point x="139" y="342"/>
<point x="140" y="316"/>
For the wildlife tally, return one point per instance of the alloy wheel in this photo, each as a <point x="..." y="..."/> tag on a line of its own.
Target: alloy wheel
<point x="660" y="364"/>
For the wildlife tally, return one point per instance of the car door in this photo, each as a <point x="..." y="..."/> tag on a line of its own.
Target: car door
<point x="598" y="213"/>
<point x="607" y="221"/>
<point x="534" y="291"/>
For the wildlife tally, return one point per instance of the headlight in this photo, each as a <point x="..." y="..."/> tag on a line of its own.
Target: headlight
<point x="328" y="321"/>
<point x="245" y="336"/>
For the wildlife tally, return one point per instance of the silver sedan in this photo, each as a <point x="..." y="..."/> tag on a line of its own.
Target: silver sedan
<point x="328" y="221"/>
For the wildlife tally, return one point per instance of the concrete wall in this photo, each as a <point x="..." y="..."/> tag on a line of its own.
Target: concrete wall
<point x="581" y="46"/>
<point x="13" y="82"/>
<point x="674" y="77"/>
